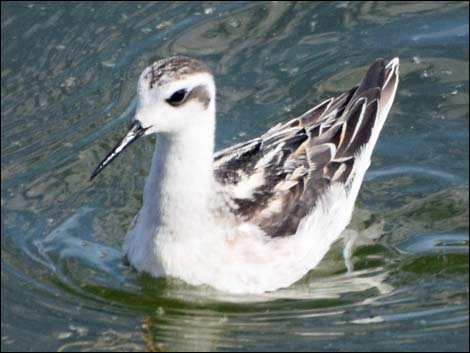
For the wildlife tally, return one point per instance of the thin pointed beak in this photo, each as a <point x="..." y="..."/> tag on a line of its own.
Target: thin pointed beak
<point x="135" y="131"/>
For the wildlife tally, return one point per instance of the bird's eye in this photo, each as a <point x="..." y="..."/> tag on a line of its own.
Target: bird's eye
<point x="177" y="98"/>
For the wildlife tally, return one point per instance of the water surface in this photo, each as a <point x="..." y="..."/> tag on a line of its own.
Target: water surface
<point x="69" y="72"/>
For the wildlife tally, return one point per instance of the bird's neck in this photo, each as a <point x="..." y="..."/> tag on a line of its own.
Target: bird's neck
<point x="181" y="181"/>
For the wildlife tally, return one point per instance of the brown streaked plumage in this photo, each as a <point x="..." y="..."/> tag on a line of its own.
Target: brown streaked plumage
<point x="174" y="68"/>
<point x="294" y="163"/>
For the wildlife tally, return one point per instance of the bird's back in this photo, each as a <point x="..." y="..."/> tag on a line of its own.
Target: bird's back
<point x="276" y="180"/>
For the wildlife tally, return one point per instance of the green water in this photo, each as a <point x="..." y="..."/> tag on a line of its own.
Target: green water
<point x="69" y="72"/>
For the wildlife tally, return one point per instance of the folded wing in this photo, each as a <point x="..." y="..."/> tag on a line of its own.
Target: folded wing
<point x="274" y="181"/>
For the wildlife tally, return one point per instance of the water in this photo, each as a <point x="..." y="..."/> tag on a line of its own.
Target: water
<point x="69" y="72"/>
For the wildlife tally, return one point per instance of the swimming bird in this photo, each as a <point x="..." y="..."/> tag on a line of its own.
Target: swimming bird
<point x="257" y="216"/>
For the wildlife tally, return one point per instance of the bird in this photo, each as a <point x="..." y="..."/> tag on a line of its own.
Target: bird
<point x="257" y="216"/>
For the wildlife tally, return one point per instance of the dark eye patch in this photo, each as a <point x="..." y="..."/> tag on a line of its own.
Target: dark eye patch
<point x="177" y="98"/>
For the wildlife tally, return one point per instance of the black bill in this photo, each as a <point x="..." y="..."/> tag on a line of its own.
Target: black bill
<point x="135" y="131"/>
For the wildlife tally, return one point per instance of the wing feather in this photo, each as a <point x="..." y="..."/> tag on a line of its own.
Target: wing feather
<point x="275" y="180"/>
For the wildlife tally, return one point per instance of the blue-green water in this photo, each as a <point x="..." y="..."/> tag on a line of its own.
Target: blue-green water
<point x="69" y="72"/>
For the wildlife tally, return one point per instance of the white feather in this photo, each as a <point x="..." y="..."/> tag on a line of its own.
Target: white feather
<point x="186" y="228"/>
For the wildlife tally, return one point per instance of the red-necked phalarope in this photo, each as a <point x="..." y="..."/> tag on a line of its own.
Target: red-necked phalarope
<point x="257" y="216"/>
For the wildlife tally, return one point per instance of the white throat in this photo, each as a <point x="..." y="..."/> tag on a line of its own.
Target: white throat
<point x="181" y="177"/>
<point x="178" y="196"/>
